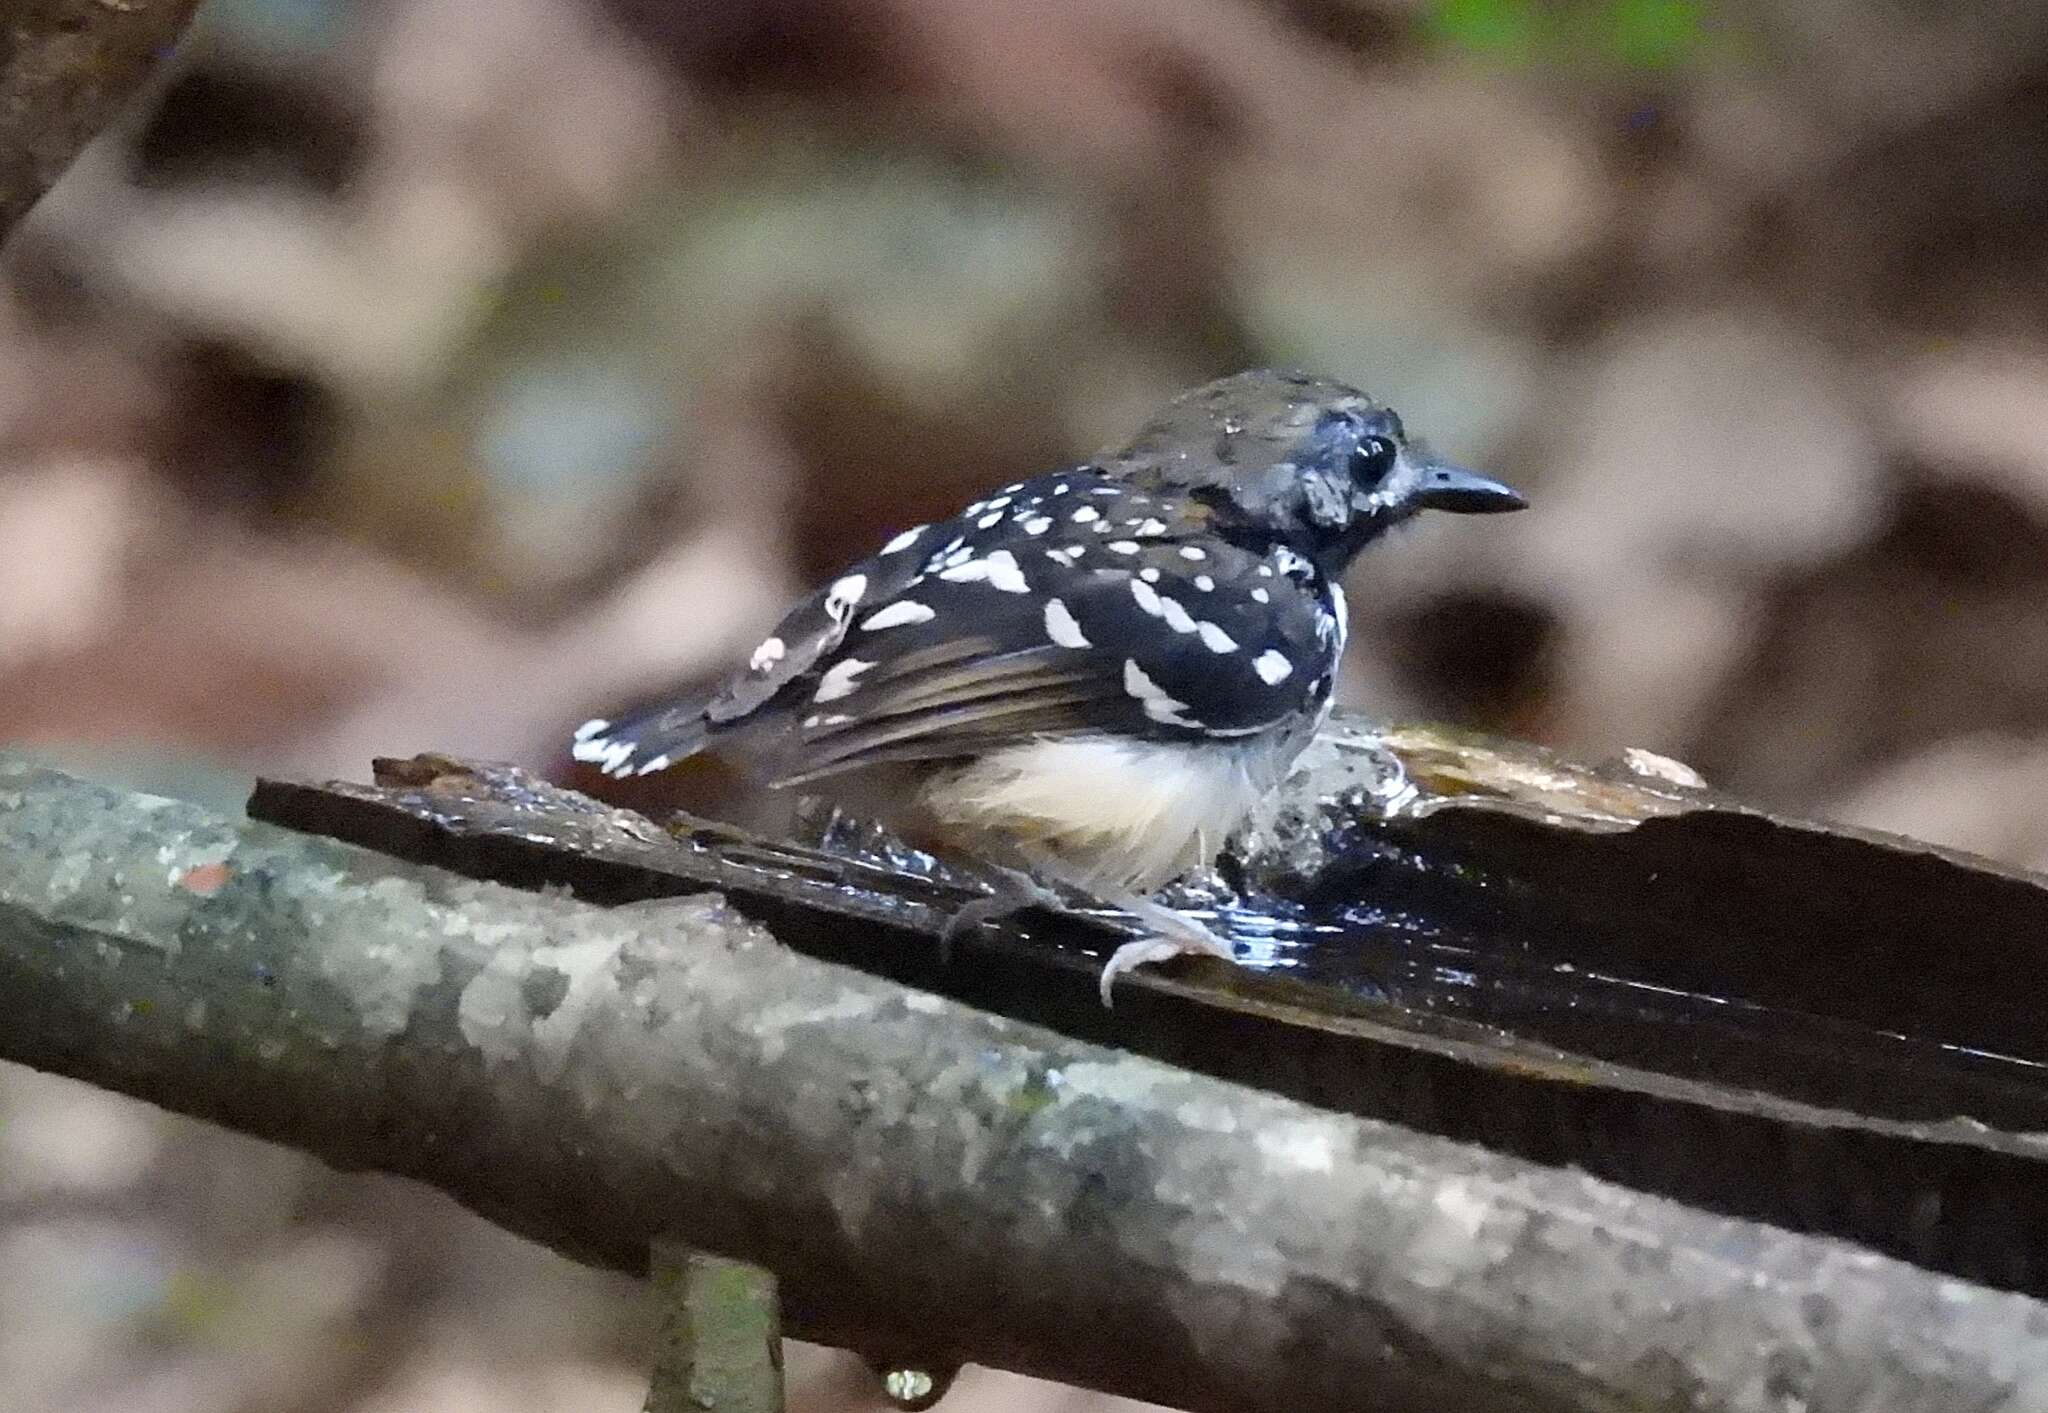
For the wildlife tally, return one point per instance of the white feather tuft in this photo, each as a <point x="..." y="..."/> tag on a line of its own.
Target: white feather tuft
<point x="1129" y="813"/>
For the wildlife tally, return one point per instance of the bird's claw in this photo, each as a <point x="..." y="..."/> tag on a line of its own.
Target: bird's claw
<point x="1184" y="938"/>
<point x="1013" y="892"/>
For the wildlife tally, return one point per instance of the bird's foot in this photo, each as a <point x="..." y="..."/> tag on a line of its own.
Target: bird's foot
<point x="1174" y="935"/>
<point x="1012" y="891"/>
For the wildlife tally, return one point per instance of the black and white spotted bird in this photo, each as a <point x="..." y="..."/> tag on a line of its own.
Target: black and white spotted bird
<point x="1091" y="677"/>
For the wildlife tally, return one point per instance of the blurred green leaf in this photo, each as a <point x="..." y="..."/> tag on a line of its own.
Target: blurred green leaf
<point x="1498" y="27"/>
<point x="1650" y="34"/>
<point x="1635" y="34"/>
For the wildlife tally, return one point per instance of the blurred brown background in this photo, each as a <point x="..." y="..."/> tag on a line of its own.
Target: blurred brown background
<point x="411" y="374"/>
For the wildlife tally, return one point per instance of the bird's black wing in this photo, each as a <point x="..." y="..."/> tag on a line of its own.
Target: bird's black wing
<point x="1072" y="603"/>
<point x="1086" y="610"/>
<point x="785" y="660"/>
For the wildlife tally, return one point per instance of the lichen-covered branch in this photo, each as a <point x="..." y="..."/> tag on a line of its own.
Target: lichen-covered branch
<point x="65" y="68"/>
<point x="922" y="1177"/>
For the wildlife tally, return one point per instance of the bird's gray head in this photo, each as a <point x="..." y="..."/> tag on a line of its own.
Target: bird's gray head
<point x="1305" y="460"/>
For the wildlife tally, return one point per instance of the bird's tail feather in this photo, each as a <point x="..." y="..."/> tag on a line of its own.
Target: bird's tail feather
<point x="641" y="745"/>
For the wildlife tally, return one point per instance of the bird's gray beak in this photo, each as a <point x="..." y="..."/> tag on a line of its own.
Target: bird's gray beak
<point x="1463" y="492"/>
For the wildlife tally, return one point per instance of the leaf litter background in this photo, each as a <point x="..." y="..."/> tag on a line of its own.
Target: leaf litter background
<point x="412" y="374"/>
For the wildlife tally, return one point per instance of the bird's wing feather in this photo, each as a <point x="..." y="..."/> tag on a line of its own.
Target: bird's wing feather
<point x="803" y="639"/>
<point x="1068" y="604"/>
<point x="1146" y="644"/>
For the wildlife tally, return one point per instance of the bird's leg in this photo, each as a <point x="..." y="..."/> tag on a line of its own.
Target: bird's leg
<point x="1012" y="890"/>
<point x="1173" y="934"/>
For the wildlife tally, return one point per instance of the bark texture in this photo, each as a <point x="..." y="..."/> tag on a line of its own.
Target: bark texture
<point x="66" y="66"/>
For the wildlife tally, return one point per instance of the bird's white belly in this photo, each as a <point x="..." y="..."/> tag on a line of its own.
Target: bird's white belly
<point x="1126" y="812"/>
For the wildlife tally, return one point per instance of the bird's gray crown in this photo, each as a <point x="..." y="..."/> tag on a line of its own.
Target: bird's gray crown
<point x="1309" y="461"/>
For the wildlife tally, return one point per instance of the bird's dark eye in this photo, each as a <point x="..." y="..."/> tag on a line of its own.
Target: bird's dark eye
<point x="1373" y="459"/>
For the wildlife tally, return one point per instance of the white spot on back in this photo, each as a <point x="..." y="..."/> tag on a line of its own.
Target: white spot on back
<point x="998" y="569"/>
<point x="1085" y="514"/>
<point x="844" y="595"/>
<point x="1159" y="704"/>
<point x="1037" y="525"/>
<point x="838" y="679"/>
<point x="1215" y="639"/>
<point x="1122" y="546"/>
<point x="1273" y="667"/>
<point x="899" y="614"/>
<point x="1152" y="527"/>
<point x="990" y="521"/>
<point x="658" y="763"/>
<point x="767" y="655"/>
<point x="1006" y="574"/>
<point x="1061" y="627"/>
<point x="1204" y="583"/>
<point x="1261" y="596"/>
<point x="1176" y="617"/>
<point x="1149" y="574"/>
<point x="1065" y="556"/>
<point x="1147" y="599"/>
<point x="905" y="540"/>
<point x="1193" y="552"/>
